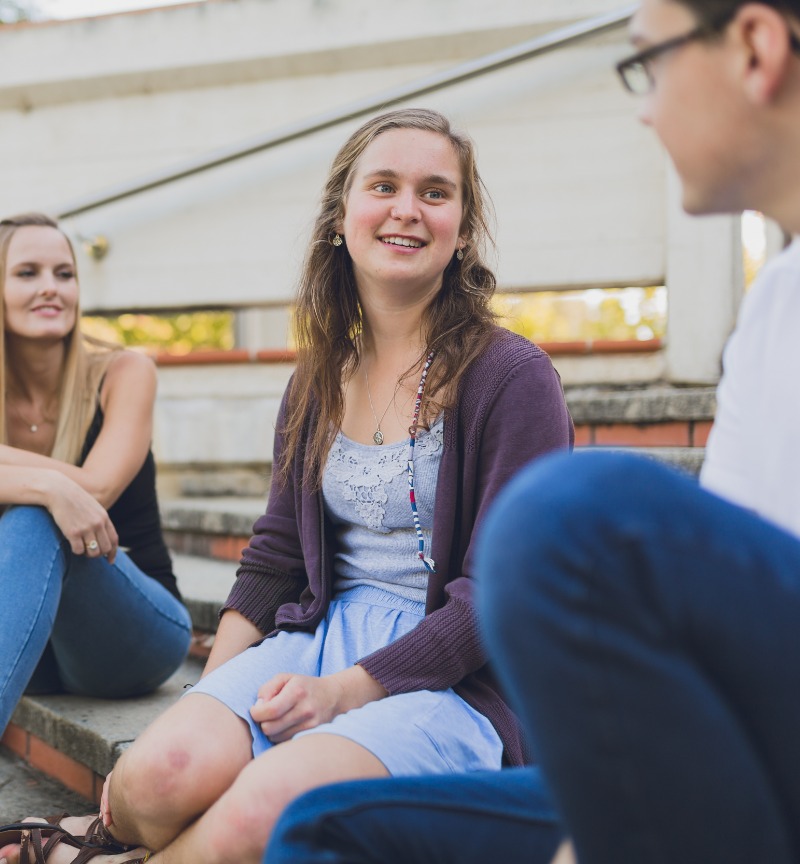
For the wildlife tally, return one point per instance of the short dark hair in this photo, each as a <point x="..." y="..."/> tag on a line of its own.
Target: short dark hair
<point x="715" y="13"/>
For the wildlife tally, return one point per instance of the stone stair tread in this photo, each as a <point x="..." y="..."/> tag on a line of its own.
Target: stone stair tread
<point x="212" y="514"/>
<point x="651" y="404"/>
<point x="205" y="584"/>
<point x="206" y="579"/>
<point x="689" y="459"/>
<point x="25" y="791"/>
<point x="94" y="732"/>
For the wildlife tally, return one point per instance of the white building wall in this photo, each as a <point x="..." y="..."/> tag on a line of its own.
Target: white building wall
<point x="581" y="191"/>
<point x="87" y="105"/>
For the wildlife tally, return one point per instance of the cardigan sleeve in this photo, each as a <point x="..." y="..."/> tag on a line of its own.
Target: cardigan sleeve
<point x="271" y="571"/>
<point x="525" y="417"/>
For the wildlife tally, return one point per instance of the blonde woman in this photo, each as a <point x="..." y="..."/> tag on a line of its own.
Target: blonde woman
<point x="77" y="487"/>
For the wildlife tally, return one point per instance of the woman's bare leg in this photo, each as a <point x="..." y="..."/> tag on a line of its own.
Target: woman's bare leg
<point x="176" y="769"/>
<point x="235" y="829"/>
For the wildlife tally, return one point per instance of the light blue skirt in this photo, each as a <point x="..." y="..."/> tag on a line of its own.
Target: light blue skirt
<point x="424" y="732"/>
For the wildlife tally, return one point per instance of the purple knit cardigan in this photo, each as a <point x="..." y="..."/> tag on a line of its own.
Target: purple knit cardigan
<point x="510" y="410"/>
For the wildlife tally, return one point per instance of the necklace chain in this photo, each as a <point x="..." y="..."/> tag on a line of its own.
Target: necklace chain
<point x="377" y="436"/>
<point x="429" y="563"/>
<point x="33" y="427"/>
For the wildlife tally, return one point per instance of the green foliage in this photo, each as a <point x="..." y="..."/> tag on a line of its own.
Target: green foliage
<point x="174" y="334"/>
<point x="591" y="314"/>
<point x="546" y="316"/>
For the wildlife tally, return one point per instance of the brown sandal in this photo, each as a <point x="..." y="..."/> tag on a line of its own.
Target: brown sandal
<point x="38" y="839"/>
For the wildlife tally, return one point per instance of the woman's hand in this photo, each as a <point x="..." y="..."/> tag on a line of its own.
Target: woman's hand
<point x="288" y="703"/>
<point x="82" y="520"/>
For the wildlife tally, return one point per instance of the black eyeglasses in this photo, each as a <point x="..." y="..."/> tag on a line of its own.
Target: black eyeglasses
<point x="635" y="71"/>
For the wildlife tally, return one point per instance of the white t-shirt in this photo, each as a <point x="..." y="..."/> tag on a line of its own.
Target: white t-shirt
<point x="753" y="452"/>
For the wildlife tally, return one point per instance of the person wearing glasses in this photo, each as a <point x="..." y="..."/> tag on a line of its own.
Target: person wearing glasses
<point x="652" y="651"/>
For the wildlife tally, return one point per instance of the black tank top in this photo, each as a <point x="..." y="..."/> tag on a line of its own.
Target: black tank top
<point x="135" y="516"/>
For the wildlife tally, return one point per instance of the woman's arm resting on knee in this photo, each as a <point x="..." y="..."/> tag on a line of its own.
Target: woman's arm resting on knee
<point x="290" y="703"/>
<point x="77" y="514"/>
<point x="127" y="399"/>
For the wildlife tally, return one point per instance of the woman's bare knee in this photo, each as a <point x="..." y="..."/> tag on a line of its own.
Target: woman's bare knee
<point x="239" y="825"/>
<point x="180" y="765"/>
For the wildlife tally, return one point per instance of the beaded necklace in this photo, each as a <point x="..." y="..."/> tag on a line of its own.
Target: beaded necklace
<point x="412" y="431"/>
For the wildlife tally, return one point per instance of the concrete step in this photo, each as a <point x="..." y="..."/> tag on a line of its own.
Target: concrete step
<point x="205" y="584"/>
<point x="655" y="403"/>
<point x="210" y="526"/>
<point x="689" y="459"/>
<point x="77" y="740"/>
<point x="655" y="416"/>
<point x="24" y="791"/>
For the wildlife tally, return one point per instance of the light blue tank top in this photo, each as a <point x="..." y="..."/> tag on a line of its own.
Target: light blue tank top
<point x="365" y="491"/>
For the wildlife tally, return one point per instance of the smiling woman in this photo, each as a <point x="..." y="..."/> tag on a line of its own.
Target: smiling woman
<point x="77" y="482"/>
<point x="408" y="411"/>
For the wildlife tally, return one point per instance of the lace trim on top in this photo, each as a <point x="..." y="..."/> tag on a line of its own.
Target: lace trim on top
<point x="365" y="490"/>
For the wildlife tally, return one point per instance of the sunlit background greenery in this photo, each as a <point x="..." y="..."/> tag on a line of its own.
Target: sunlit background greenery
<point x="548" y="316"/>
<point x="172" y="334"/>
<point x="613" y="314"/>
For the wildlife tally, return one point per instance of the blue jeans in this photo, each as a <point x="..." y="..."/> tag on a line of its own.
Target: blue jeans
<point x="648" y="634"/>
<point x="100" y="629"/>
<point x="455" y="819"/>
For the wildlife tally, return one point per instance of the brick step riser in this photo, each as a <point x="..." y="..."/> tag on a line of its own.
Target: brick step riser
<point x="683" y="433"/>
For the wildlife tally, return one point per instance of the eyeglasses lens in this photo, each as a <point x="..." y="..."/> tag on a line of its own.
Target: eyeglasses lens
<point x="637" y="79"/>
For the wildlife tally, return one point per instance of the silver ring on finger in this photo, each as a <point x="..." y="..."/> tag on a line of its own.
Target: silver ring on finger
<point x="92" y="546"/>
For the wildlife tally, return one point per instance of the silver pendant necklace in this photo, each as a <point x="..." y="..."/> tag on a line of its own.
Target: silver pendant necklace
<point x="377" y="436"/>
<point x="34" y="427"/>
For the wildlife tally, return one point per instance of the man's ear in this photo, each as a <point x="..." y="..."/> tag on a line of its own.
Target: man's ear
<point x="764" y="36"/>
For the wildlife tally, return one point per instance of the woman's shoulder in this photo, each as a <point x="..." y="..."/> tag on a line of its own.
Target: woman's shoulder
<point x="123" y="361"/>
<point x="124" y="368"/>
<point x="506" y="353"/>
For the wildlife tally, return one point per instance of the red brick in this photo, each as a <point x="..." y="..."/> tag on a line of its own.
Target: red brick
<point x="584" y="436"/>
<point x="225" y="548"/>
<point x="16" y="739"/>
<point x="700" y="432"/>
<point x="228" y="548"/>
<point x="652" y="435"/>
<point x="61" y="767"/>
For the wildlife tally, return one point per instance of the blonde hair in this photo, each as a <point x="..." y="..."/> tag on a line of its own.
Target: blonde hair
<point x="458" y="324"/>
<point x="85" y="359"/>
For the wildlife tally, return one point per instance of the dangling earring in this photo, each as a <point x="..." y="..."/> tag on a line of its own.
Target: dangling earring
<point x="337" y="240"/>
<point x="460" y="254"/>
